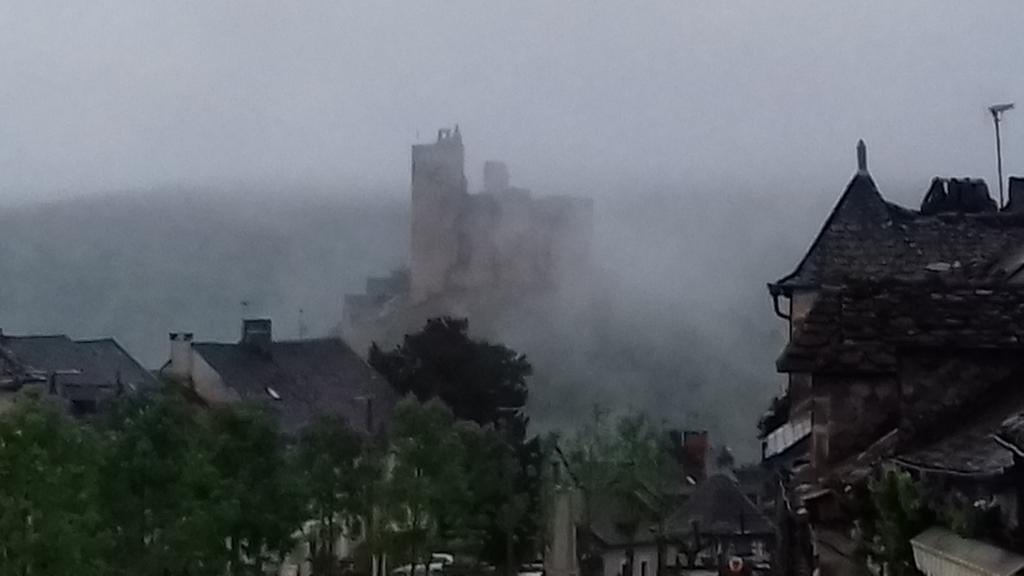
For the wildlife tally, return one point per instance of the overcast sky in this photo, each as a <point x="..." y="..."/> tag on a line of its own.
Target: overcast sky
<point x="751" y="96"/>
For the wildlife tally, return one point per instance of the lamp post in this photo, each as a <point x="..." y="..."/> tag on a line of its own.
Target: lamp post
<point x="997" y="114"/>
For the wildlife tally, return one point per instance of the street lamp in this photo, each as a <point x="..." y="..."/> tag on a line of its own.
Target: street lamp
<point x="997" y="114"/>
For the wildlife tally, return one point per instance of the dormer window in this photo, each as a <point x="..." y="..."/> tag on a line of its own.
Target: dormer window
<point x="273" y="393"/>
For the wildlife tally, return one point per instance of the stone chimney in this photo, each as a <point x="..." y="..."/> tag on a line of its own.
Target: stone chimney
<point x="181" y="355"/>
<point x="1015" y="201"/>
<point x="257" y="335"/>
<point x="862" y="157"/>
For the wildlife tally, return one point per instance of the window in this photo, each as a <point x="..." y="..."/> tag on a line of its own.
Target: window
<point x="643" y="568"/>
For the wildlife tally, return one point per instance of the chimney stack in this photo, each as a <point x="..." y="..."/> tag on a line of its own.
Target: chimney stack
<point x="1015" y="201"/>
<point x="257" y="335"/>
<point x="181" y="355"/>
<point x="695" y="451"/>
<point x="862" y="157"/>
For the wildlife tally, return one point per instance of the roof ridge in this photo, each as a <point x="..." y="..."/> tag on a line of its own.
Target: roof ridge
<point x="35" y="336"/>
<point x="871" y="188"/>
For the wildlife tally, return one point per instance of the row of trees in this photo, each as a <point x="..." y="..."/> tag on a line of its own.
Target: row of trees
<point x="160" y="486"/>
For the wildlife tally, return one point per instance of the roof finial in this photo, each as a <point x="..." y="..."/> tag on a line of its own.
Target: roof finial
<point x="862" y="157"/>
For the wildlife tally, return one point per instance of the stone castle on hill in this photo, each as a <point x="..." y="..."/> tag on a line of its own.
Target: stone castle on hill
<point x="495" y="245"/>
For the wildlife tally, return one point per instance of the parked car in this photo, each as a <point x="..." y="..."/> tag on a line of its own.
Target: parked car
<point x="532" y="569"/>
<point x="438" y="561"/>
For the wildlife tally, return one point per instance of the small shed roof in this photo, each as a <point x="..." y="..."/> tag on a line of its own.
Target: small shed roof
<point x="786" y="436"/>
<point x="939" y="552"/>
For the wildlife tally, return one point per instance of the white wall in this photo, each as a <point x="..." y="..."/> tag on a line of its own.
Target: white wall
<point x="208" y="384"/>
<point x="614" y="560"/>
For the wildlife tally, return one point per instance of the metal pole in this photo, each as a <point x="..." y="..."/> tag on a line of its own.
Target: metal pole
<point x="999" y="159"/>
<point x="997" y="112"/>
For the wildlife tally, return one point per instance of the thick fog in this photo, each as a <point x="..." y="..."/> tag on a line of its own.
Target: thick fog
<point x="162" y="162"/>
<point x="117" y="94"/>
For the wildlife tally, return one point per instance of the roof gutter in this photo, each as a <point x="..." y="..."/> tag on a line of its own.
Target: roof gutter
<point x="775" y="290"/>
<point x="946" y="471"/>
<point x="1008" y="445"/>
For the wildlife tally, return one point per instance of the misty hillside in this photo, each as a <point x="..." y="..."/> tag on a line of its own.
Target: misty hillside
<point x="136" y="267"/>
<point x="686" y="328"/>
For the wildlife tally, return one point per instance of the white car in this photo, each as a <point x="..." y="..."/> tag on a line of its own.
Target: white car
<point x="438" y="560"/>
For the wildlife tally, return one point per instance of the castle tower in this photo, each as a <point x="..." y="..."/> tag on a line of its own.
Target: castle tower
<point x="438" y="197"/>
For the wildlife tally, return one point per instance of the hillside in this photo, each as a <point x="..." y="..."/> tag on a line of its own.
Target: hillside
<point x="679" y="323"/>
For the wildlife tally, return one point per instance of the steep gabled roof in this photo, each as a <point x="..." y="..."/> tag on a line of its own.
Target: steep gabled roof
<point x="301" y="379"/>
<point x="719" y="507"/>
<point x="860" y="213"/>
<point x="867" y="238"/>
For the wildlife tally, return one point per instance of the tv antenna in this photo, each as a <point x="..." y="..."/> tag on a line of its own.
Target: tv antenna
<point x="997" y="114"/>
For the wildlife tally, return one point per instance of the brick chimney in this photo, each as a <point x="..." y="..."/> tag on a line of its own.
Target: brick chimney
<point x="695" y="452"/>
<point x="181" y="355"/>
<point x="257" y="335"/>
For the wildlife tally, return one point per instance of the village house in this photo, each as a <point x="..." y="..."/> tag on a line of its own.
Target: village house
<point x="294" y="380"/>
<point x="710" y="525"/>
<point x="906" y="331"/>
<point x="697" y="520"/>
<point x="80" y="374"/>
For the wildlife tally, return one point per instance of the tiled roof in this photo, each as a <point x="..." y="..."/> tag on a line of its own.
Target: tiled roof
<point x="301" y="379"/>
<point x="87" y="363"/>
<point x="867" y="238"/>
<point x="968" y="452"/>
<point x="719" y="507"/>
<point x="970" y="448"/>
<point x="1011" y="432"/>
<point x="860" y="326"/>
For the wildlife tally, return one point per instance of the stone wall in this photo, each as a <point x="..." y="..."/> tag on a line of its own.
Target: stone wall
<point x="502" y="237"/>
<point x="931" y="389"/>
<point x="438" y="199"/>
<point x="858" y="410"/>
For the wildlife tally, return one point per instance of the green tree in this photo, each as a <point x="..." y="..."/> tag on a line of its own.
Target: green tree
<point x="341" y="474"/>
<point x="623" y="466"/>
<point x="158" y="489"/>
<point x="256" y="499"/>
<point x="426" y="479"/>
<point x="484" y="383"/>
<point x="478" y="380"/>
<point x="49" y="517"/>
<point x="900" y="515"/>
<point x="484" y="458"/>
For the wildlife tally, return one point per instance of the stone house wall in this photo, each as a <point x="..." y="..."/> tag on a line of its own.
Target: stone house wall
<point x="849" y="413"/>
<point x="931" y="389"/>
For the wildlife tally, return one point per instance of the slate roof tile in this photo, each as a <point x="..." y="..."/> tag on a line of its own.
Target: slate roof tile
<point x="859" y="326"/>
<point x="309" y="377"/>
<point x="867" y="238"/>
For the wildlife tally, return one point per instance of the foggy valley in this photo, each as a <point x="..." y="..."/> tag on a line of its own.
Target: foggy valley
<point x="692" y="347"/>
<point x="517" y="287"/>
